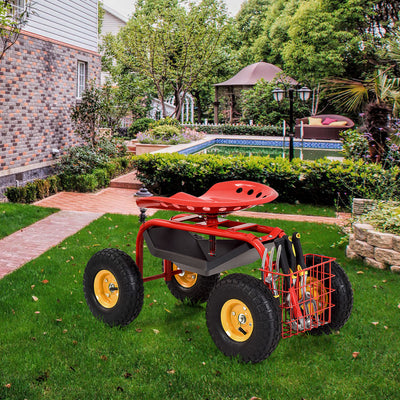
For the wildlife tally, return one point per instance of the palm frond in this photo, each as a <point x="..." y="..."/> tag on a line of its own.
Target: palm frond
<point x="347" y="94"/>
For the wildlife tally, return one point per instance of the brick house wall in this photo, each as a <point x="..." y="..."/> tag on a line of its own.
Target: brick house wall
<point x="38" y="86"/>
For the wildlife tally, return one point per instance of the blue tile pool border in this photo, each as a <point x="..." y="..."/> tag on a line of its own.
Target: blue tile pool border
<point x="262" y="142"/>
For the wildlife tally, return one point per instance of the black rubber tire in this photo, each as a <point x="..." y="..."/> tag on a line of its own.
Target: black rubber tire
<point x="196" y="294"/>
<point x="342" y="298"/>
<point x="130" y="287"/>
<point x="264" y="310"/>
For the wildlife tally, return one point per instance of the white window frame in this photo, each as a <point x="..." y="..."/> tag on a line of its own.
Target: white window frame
<point x="81" y="79"/>
<point x="18" y="7"/>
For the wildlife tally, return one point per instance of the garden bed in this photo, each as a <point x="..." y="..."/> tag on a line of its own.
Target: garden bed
<point x="376" y="249"/>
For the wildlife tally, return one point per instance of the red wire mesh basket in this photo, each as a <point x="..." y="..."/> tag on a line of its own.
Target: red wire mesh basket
<point x="312" y="288"/>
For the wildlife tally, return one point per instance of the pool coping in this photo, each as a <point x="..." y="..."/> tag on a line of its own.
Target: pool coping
<point x="209" y="140"/>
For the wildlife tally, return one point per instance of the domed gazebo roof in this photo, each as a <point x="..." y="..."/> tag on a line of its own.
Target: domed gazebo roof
<point x="249" y="75"/>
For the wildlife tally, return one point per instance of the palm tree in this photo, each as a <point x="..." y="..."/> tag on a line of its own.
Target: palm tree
<point x="379" y="96"/>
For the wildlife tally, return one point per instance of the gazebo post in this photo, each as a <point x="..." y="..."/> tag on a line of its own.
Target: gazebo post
<point x="216" y="106"/>
<point x="232" y="95"/>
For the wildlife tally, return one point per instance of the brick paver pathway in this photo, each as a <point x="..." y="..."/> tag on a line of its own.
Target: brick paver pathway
<point x="110" y="200"/>
<point x="30" y="242"/>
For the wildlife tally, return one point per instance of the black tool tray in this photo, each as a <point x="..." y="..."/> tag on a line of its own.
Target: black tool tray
<point x="190" y="251"/>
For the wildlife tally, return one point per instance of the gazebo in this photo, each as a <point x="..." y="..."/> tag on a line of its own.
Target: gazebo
<point x="246" y="79"/>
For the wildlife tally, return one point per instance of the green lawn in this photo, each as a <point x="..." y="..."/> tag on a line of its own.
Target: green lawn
<point x="53" y="348"/>
<point x="14" y="217"/>
<point x="296" y="209"/>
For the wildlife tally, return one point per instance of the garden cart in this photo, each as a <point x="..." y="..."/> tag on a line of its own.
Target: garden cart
<point x="246" y="316"/>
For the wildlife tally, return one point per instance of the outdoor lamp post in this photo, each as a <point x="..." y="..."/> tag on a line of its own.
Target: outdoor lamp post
<point x="304" y="94"/>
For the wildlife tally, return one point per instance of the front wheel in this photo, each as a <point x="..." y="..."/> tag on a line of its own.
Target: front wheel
<point x="189" y="286"/>
<point x="113" y="287"/>
<point x="243" y="318"/>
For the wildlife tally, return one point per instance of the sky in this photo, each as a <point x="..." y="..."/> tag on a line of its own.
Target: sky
<point x="125" y="7"/>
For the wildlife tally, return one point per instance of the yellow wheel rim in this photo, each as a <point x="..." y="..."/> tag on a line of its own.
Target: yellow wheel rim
<point x="317" y="291"/>
<point x="237" y="320"/>
<point x="106" y="289"/>
<point x="186" y="279"/>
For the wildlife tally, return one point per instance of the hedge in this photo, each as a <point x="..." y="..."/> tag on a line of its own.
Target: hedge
<point x="323" y="182"/>
<point x="41" y="188"/>
<point x="249" y="130"/>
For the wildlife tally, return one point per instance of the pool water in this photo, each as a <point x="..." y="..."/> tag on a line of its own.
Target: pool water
<point x="305" y="154"/>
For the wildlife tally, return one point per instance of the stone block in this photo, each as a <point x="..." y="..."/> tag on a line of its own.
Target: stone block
<point x="396" y="243"/>
<point x="379" y="239"/>
<point x="395" y="269"/>
<point x="362" y="206"/>
<point x="361" y="231"/>
<point x="352" y="240"/>
<point x="373" y="263"/>
<point x="387" y="256"/>
<point x="352" y="254"/>
<point x="363" y="249"/>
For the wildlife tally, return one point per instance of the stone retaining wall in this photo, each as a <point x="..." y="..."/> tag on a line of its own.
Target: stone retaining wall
<point x="377" y="249"/>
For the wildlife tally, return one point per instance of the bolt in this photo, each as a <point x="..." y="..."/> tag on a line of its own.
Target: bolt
<point x="233" y="313"/>
<point x="242" y="319"/>
<point x="105" y="280"/>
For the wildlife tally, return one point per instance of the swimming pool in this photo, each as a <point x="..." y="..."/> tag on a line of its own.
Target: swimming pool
<point x="275" y="147"/>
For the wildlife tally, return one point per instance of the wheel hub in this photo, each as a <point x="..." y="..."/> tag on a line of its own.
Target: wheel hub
<point x="237" y="320"/>
<point x="186" y="279"/>
<point x="106" y="288"/>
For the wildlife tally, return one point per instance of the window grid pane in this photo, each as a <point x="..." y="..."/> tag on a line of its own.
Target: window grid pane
<point x="81" y="79"/>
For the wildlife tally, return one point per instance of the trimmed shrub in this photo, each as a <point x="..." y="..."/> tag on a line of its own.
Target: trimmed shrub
<point x="86" y="183"/>
<point x="31" y="190"/>
<point x="322" y="181"/>
<point x="165" y="121"/>
<point x="42" y="188"/>
<point x="250" y="130"/>
<point x="16" y="194"/>
<point x="54" y="184"/>
<point x="102" y="177"/>
<point x="140" y="125"/>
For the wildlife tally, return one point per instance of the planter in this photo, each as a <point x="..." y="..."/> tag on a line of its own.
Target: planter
<point x="376" y="249"/>
<point x="142" y="148"/>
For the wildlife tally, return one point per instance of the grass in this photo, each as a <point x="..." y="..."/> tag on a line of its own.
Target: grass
<point x="53" y="348"/>
<point x="296" y="209"/>
<point x="14" y="217"/>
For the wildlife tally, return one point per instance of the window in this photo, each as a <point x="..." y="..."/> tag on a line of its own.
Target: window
<point x="81" y="79"/>
<point x="19" y="7"/>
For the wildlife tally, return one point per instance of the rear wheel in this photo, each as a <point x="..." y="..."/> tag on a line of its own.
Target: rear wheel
<point x="190" y="286"/>
<point x="243" y="318"/>
<point x="113" y="287"/>
<point x="342" y="299"/>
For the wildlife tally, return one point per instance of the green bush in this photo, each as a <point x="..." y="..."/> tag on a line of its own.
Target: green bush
<point x="384" y="217"/>
<point x="86" y="183"/>
<point x="355" y="145"/>
<point x="165" y="121"/>
<point x="42" y="188"/>
<point x="102" y="177"/>
<point x="54" y="184"/>
<point x="249" y="130"/>
<point x="322" y="182"/>
<point x="140" y="125"/>
<point x="31" y="190"/>
<point x="16" y="194"/>
<point x="84" y="159"/>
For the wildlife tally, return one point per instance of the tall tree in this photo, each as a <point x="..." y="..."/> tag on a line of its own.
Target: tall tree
<point x="249" y="25"/>
<point x="174" y="43"/>
<point x="314" y="39"/>
<point x="12" y="19"/>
